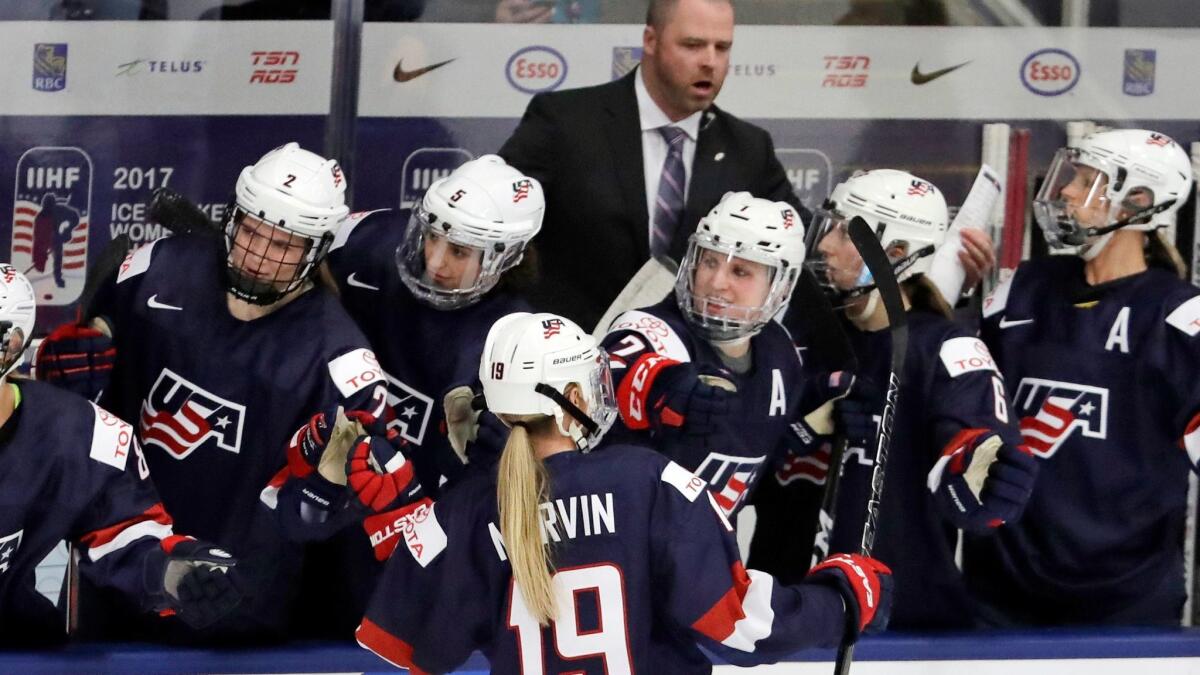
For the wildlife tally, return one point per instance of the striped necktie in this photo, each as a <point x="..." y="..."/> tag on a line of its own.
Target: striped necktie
<point x="668" y="204"/>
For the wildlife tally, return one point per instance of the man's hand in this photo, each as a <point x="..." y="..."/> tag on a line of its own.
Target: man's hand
<point x="978" y="256"/>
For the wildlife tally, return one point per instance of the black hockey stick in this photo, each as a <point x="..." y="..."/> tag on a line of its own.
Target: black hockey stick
<point x="876" y="260"/>
<point x="174" y="212"/>
<point x="104" y="267"/>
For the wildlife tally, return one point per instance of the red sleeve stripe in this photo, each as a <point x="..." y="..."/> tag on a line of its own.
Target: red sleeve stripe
<point x="270" y="494"/>
<point x="386" y="646"/>
<point x="743" y="616"/>
<point x="153" y="522"/>
<point x="1191" y="440"/>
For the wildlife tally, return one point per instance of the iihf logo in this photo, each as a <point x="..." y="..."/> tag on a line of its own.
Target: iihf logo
<point x="412" y="409"/>
<point x="919" y="188"/>
<point x="49" y="66"/>
<point x="1051" y="410"/>
<point x="180" y="416"/>
<point x="521" y="190"/>
<point x="51" y="206"/>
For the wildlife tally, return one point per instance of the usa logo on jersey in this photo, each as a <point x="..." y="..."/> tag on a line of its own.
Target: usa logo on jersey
<point x="1051" y="411"/>
<point x="180" y="416"/>
<point x="8" y="549"/>
<point x="412" y="409"/>
<point x="730" y="476"/>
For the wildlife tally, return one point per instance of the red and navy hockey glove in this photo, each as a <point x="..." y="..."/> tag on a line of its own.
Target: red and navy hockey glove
<point x="196" y="583"/>
<point x="865" y="585"/>
<point x="309" y="442"/>
<point x="76" y="358"/>
<point x="673" y="400"/>
<point x="980" y="482"/>
<point x="379" y="474"/>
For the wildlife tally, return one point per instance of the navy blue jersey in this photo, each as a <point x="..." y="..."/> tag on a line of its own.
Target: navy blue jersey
<point x="70" y="470"/>
<point x="424" y="352"/>
<point x="1104" y="382"/>
<point x="646" y="567"/>
<point x="769" y="396"/>
<point x="950" y="383"/>
<point x="216" y="399"/>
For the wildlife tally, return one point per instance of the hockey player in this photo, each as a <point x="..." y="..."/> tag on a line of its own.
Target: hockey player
<point x="71" y="470"/>
<point x="578" y="554"/>
<point x="425" y="286"/>
<point x="678" y="364"/>
<point x="1103" y="352"/>
<point x="956" y="458"/>
<point x="223" y="350"/>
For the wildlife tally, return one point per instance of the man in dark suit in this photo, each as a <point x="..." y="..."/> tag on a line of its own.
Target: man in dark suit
<point x="619" y="186"/>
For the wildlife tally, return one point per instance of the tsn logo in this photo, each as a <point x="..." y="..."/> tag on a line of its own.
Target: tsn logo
<point x="846" y="72"/>
<point x="268" y="68"/>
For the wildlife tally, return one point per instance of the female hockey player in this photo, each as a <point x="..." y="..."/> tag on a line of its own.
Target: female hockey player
<point x="678" y="364"/>
<point x="223" y="350"/>
<point x="956" y="457"/>
<point x="578" y="554"/>
<point x="71" y="470"/>
<point x="1103" y="352"/>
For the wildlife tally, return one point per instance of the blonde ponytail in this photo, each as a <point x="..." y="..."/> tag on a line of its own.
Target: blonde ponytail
<point x="1160" y="252"/>
<point x="523" y="485"/>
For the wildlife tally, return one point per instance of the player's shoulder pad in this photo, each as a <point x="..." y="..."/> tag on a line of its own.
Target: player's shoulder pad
<point x="1186" y="317"/>
<point x="136" y="261"/>
<point x="997" y="300"/>
<point x="962" y="355"/>
<point x="349" y="225"/>
<point x="656" y="331"/>
<point x="355" y="370"/>
<point x="112" y="439"/>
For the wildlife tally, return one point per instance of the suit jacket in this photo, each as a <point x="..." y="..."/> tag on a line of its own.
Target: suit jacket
<point x="585" y="146"/>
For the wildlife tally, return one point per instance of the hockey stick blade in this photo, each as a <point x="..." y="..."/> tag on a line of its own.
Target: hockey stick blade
<point x="650" y="284"/>
<point x="174" y="212"/>
<point x="877" y="262"/>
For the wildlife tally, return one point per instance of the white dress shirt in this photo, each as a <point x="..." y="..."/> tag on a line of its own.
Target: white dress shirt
<point x="654" y="146"/>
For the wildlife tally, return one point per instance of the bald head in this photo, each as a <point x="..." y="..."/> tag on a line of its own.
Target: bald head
<point x="659" y="12"/>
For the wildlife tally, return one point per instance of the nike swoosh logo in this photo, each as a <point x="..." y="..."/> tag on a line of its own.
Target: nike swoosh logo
<point x="402" y="75"/>
<point x="924" y="78"/>
<point x="153" y="303"/>
<point x="1005" y="323"/>
<point x="359" y="284"/>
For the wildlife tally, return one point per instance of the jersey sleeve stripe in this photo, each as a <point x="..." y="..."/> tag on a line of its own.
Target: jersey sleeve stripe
<point x="153" y="522"/>
<point x="386" y="646"/>
<point x="1191" y="440"/>
<point x="743" y="616"/>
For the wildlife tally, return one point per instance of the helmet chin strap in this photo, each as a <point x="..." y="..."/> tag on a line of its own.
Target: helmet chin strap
<point x="1091" y="249"/>
<point x="868" y="309"/>
<point x="1079" y="237"/>
<point x="576" y="433"/>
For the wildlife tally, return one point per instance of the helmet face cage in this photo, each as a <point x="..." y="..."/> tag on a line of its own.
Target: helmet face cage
<point x="717" y="320"/>
<point x="18" y="312"/>
<point x="445" y="267"/>
<point x="1089" y="177"/>
<point x="12" y="341"/>
<point x="601" y="396"/>
<point x="265" y="260"/>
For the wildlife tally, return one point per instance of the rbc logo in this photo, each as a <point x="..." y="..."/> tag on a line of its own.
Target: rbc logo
<point x="180" y="416"/>
<point x="425" y="166"/>
<point x="536" y="69"/>
<point x="1050" y="72"/>
<point x="50" y="221"/>
<point x="412" y="409"/>
<point x="49" y="66"/>
<point x="1050" y="411"/>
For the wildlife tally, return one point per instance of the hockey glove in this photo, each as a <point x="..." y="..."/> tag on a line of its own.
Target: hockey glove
<point x="982" y="483"/>
<point x="379" y="474"/>
<point x="76" y="358"/>
<point x="855" y="416"/>
<point x="490" y="439"/>
<point x="313" y="446"/>
<point x="195" y="584"/>
<point x="865" y="585"/>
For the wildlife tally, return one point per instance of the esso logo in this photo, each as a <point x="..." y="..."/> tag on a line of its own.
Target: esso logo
<point x="1050" y="72"/>
<point x="536" y="69"/>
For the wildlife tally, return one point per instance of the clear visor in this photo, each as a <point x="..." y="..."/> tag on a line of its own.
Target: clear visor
<point x="601" y="395"/>
<point x="1072" y="199"/>
<point x="12" y="342"/>
<point x="834" y="259"/>
<point x="728" y="294"/>
<point x="446" y="269"/>
<point x="265" y="260"/>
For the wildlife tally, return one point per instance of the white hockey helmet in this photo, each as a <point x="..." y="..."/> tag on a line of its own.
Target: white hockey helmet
<point x="469" y="229"/>
<point x="1130" y="178"/>
<point x="18" y="310"/>
<point x="745" y="228"/>
<point x="528" y="362"/>
<point x="301" y="196"/>
<point x="907" y="213"/>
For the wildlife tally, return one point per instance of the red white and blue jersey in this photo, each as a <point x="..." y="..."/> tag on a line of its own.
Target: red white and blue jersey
<point x="770" y="396"/>
<point x="1104" y="383"/>
<point x="216" y="399"/>
<point x="425" y="352"/>
<point x="646" y="568"/>
<point x="950" y="384"/>
<point x="70" y="470"/>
